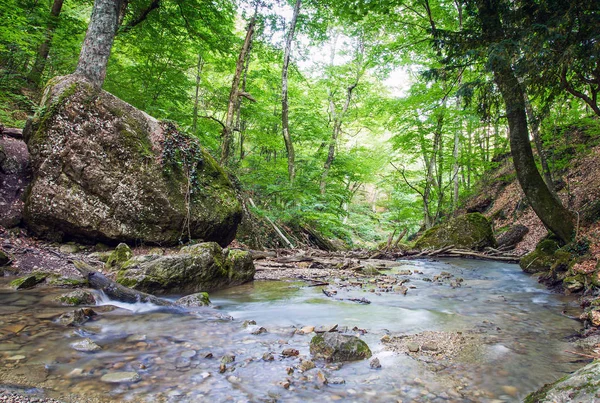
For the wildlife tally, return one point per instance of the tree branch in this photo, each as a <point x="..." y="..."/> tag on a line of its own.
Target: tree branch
<point x="140" y="18"/>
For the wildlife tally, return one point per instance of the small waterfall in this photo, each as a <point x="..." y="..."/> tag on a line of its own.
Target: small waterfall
<point x="137" y="307"/>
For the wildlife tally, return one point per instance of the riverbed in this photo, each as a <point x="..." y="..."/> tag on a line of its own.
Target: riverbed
<point x="508" y="336"/>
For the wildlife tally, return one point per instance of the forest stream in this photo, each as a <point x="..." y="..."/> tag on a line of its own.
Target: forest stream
<point x="487" y="333"/>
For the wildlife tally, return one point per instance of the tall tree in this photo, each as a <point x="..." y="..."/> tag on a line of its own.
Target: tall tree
<point x="99" y="39"/>
<point x="545" y="204"/>
<point x="285" y="125"/>
<point x="235" y="93"/>
<point x="36" y="72"/>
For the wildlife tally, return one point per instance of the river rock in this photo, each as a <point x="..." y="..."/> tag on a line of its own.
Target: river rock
<point x="28" y="281"/>
<point x="69" y="248"/>
<point x="513" y="236"/>
<point x="194" y="300"/>
<point x="4" y="259"/>
<point x="76" y="318"/>
<point x="469" y="231"/>
<point x="200" y="267"/>
<point x="117" y="257"/>
<point x="86" y="345"/>
<point x="325" y="328"/>
<point x="375" y="364"/>
<point x="106" y="171"/>
<point x="580" y="387"/>
<point x="77" y="297"/>
<point x="121" y="377"/>
<point x="336" y="347"/>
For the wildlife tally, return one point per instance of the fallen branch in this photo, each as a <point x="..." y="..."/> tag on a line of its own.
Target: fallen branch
<point x="115" y="290"/>
<point x="277" y="230"/>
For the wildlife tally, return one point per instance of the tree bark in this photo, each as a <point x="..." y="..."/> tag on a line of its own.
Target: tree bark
<point x="537" y="140"/>
<point x="98" y="40"/>
<point x="287" y="138"/>
<point x="35" y="75"/>
<point x="197" y="96"/>
<point x="546" y="205"/>
<point x="227" y="134"/>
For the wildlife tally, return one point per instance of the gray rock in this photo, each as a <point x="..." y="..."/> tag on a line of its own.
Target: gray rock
<point x="86" y="345"/>
<point x="413" y="347"/>
<point x="194" y="300"/>
<point x="200" y="267"/>
<point x="325" y="329"/>
<point x="121" y="377"/>
<point x="581" y="386"/>
<point x="375" y="364"/>
<point x="77" y="297"/>
<point x="69" y="248"/>
<point x="336" y="347"/>
<point x="114" y="174"/>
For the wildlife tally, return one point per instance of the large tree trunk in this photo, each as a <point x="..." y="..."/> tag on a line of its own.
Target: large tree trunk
<point x="287" y="138"/>
<point x="40" y="61"/>
<point x="547" y="206"/>
<point x="99" y="39"/>
<point x="227" y="134"/>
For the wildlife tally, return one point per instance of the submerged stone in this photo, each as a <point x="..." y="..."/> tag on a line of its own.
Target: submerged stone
<point x="106" y="171"/>
<point x="121" y="377"/>
<point x="469" y="231"/>
<point x="580" y="387"/>
<point x="86" y="345"/>
<point x="194" y="300"/>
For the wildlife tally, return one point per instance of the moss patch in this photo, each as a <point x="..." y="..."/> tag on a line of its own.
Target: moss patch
<point x="470" y="231"/>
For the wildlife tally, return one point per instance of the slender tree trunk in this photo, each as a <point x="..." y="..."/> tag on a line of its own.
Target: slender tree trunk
<point x="35" y="75"/>
<point x="197" y="96"/>
<point x="287" y="138"/>
<point x="545" y="204"/>
<point x="98" y="40"/>
<point x="227" y="134"/>
<point x="537" y="140"/>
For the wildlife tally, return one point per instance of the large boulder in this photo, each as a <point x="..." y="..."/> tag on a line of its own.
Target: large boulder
<point x="336" y="347"/>
<point x="15" y="174"/>
<point x="200" y="267"/>
<point x="106" y="171"/>
<point x="580" y="387"/>
<point x="469" y="231"/>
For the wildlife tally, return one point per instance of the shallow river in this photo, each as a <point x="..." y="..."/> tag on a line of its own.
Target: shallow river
<point x="522" y="331"/>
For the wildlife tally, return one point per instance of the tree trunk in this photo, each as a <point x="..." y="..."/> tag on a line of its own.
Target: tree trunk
<point x="35" y="75"/>
<point x="537" y="140"/>
<point x="98" y="40"/>
<point x="197" y="97"/>
<point x="547" y="207"/>
<point x="287" y="138"/>
<point x="227" y="134"/>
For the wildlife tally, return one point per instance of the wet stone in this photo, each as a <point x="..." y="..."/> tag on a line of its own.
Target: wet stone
<point x="413" y="347"/>
<point x="86" y="345"/>
<point x="121" y="377"/>
<point x="290" y="352"/>
<point x="375" y="364"/>
<point x="325" y="329"/>
<point x="336" y="381"/>
<point x="227" y="359"/>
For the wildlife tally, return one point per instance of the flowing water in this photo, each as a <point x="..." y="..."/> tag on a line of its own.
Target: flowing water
<point x="519" y="336"/>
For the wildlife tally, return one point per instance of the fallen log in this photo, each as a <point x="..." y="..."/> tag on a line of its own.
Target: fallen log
<point x="114" y="290"/>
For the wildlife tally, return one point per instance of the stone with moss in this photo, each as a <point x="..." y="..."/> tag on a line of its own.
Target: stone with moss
<point x="541" y="258"/>
<point x="194" y="300"/>
<point x="469" y="231"/>
<point x="76" y="298"/>
<point x="104" y="171"/>
<point x="201" y="267"/>
<point x="28" y="281"/>
<point x="336" y="347"/>
<point x="582" y="386"/>
<point x="66" y="282"/>
<point x="118" y="257"/>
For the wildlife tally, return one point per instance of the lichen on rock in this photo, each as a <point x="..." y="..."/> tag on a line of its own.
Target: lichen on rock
<point x="469" y="231"/>
<point x="200" y="267"/>
<point x="100" y="173"/>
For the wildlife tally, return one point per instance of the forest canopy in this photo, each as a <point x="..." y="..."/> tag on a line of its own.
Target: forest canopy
<point x="359" y="118"/>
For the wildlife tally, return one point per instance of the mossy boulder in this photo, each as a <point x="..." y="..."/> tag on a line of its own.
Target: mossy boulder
<point x="200" y="267"/>
<point x="194" y="300"/>
<point x="118" y="257"/>
<point x="541" y="258"/>
<point x="582" y="386"/>
<point x="77" y="297"/>
<point x="106" y="171"/>
<point x="336" y="347"/>
<point x="28" y="281"/>
<point x="469" y="231"/>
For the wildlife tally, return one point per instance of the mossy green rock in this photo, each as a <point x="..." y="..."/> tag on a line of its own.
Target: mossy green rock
<point x="29" y="281"/>
<point x="77" y="297"/>
<point x="194" y="300"/>
<point x="582" y="386"/>
<point x="336" y="347"/>
<point x="101" y="174"/>
<point x="117" y="257"/>
<point x="541" y="259"/>
<point x="469" y="231"/>
<point x="200" y="267"/>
